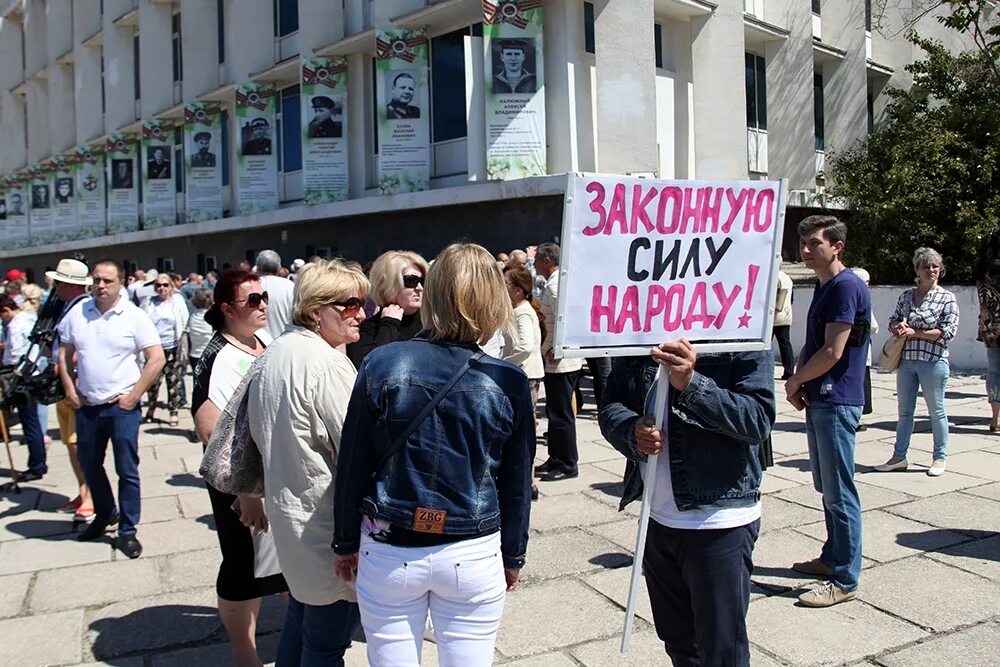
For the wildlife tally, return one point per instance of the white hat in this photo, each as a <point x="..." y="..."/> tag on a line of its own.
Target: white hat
<point x="150" y="276"/>
<point x="297" y="264"/>
<point x="71" y="271"/>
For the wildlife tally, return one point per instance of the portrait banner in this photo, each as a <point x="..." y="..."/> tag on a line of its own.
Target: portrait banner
<point x="515" y="90"/>
<point x="202" y="162"/>
<point x="64" y="222"/>
<point x="90" y="198"/>
<point x="159" y="192"/>
<point x="256" y="156"/>
<point x="41" y="224"/>
<point x="324" y="129"/>
<point x="15" y="194"/>
<point x="645" y="261"/>
<point x="404" y="137"/>
<point x="122" y="155"/>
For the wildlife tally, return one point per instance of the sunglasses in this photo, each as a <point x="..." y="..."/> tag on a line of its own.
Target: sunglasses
<point x="159" y="285"/>
<point x="412" y="280"/>
<point x="254" y="300"/>
<point x="351" y="306"/>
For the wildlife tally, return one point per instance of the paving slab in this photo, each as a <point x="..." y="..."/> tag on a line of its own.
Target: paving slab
<point x="614" y="585"/>
<point x="555" y="659"/>
<point x="35" y="524"/>
<point x="777" y="514"/>
<point x="118" y="662"/>
<point x="972" y="647"/>
<point x="991" y="491"/>
<point x="161" y="508"/>
<point x="795" y="469"/>
<point x="959" y="512"/>
<point x="841" y="634"/>
<point x="594" y="451"/>
<point x="95" y="584"/>
<point x="979" y="556"/>
<point x="29" y="640"/>
<point x="15" y="591"/>
<point x="909" y="588"/>
<point x="195" y="505"/>
<point x="175" y="536"/>
<point x="985" y="465"/>
<point x="591" y="477"/>
<point x="915" y="481"/>
<point x="566" y="552"/>
<point x="171" y="485"/>
<point x="555" y="512"/>
<point x="645" y="649"/>
<point x="189" y="569"/>
<point x="56" y="552"/>
<point x="213" y="654"/>
<point x="769" y="484"/>
<point x="622" y="533"/>
<point x="554" y="614"/>
<point x="774" y="554"/>
<point x="872" y="497"/>
<point x="178" y="448"/>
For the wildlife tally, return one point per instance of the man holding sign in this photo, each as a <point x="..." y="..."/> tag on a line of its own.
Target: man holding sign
<point x="706" y="507"/>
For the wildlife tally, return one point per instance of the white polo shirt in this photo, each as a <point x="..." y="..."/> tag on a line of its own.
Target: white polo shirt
<point x="108" y="347"/>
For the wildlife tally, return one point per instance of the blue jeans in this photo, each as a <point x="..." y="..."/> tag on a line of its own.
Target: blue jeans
<point x="33" y="437"/>
<point x="830" y="431"/>
<point x="316" y="635"/>
<point x="993" y="374"/>
<point x="95" y="425"/>
<point x="932" y="378"/>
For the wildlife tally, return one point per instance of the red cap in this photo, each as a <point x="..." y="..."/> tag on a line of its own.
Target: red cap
<point x="16" y="274"/>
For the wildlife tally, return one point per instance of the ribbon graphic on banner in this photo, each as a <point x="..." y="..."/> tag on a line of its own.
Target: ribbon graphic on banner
<point x="202" y="115"/>
<point x="256" y="99"/>
<point x="399" y="47"/>
<point x="322" y="76"/>
<point x="511" y="11"/>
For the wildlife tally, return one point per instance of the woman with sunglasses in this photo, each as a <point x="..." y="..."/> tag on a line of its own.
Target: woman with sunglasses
<point x="296" y="407"/>
<point x="169" y="313"/>
<point x="397" y="279"/>
<point x="431" y="512"/>
<point x="237" y="316"/>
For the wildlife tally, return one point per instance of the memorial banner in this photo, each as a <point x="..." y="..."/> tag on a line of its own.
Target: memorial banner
<point x="257" y="159"/>
<point x="90" y="197"/>
<point x="63" y="199"/>
<point x="123" y="195"/>
<point x="515" y="88"/>
<point x="42" y="220"/>
<point x="324" y="129"/>
<point x="404" y="137"/>
<point x="646" y="261"/>
<point x="202" y="162"/>
<point x="15" y="232"/>
<point x="159" y="193"/>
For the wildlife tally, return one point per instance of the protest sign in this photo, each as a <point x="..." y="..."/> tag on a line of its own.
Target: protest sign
<point x="649" y="260"/>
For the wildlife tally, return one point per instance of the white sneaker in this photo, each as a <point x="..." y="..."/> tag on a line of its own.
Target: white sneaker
<point x="937" y="468"/>
<point x="889" y="466"/>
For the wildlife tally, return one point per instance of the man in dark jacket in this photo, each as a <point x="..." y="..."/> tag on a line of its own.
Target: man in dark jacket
<point x="705" y="510"/>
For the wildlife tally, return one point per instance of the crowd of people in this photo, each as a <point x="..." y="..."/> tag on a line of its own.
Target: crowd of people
<point x="394" y="408"/>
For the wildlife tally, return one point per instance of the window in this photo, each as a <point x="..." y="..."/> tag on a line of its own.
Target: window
<point x="286" y="17"/>
<point x="220" y="17"/>
<point x="870" y="100"/>
<point x="588" y="28"/>
<point x="290" y="129"/>
<point x="818" y="114"/>
<point x="104" y="106"/>
<point x="179" y="159"/>
<point x="658" y="44"/>
<point x="816" y="7"/>
<point x="756" y="83"/>
<point x="225" y="147"/>
<point x="135" y="69"/>
<point x="448" y="86"/>
<point x="868" y="15"/>
<point x="175" y="38"/>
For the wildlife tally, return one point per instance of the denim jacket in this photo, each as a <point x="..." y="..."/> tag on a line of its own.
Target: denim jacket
<point x="714" y="429"/>
<point x="470" y="457"/>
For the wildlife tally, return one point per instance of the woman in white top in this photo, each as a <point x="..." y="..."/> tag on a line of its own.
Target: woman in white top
<point x="170" y="316"/>
<point x="297" y="406"/>
<point x="200" y="332"/>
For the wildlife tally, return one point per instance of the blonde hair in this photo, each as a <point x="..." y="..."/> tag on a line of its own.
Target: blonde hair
<point x="32" y="297"/>
<point x="465" y="298"/>
<point x="920" y="257"/>
<point x="387" y="274"/>
<point x="318" y="283"/>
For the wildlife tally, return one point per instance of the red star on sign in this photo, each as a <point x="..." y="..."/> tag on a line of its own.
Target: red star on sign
<point x="745" y="320"/>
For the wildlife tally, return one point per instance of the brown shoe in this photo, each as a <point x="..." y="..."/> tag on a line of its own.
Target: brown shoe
<point x="826" y="595"/>
<point x="815" y="567"/>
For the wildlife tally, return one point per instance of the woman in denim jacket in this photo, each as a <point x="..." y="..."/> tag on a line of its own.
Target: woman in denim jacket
<point x="442" y="523"/>
<point x="705" y="513"/>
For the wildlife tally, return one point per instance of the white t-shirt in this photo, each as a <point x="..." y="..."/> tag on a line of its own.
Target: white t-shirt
<point x="664" y="509"/>
<point x="17" y="343"/>
<point x="221" y="369"/>
<point x="279" y="304"/>
<point x="108" y="347"/>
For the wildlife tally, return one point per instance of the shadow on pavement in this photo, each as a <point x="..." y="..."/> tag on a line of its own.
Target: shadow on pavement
<point x="152" y="628"/>
<point x="979" y="547"/>
<point x="46" y="529"/>
<point x="186" y="479"/>
<point x="612" y="560"/>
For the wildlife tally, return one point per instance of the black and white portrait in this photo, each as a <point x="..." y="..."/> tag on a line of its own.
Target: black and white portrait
<point x="402" y="91"/>
<point x="255" y="137"/>
<point x="514" y="66"/>
<point x="157" y="162"/>
<point x="39" y="196"/>
<point x="64" y="190"/>
<point x="121" y="174"/>
<point x="203" y="155"/>
<point x="15" y="204"/>
<point x="327" y="117"/>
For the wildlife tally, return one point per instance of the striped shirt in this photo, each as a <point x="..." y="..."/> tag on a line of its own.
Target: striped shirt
<point x="938" y="310"/>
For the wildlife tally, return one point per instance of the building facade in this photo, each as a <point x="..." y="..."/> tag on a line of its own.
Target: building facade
<point x="687" y="89"/>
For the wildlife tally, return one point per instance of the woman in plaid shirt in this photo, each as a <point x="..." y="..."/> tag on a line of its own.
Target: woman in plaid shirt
<point x="927" y="316"/>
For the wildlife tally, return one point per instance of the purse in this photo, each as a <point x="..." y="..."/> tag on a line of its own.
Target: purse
<point x="892" y="353"/>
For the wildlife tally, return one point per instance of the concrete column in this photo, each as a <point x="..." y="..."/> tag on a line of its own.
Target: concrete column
<point x="87" y="93"/>
<point x="249" y="39"/>
<point x="11" y="58"/>
<point x="37" y="113"/>
<point x="156" y="69"/>
<point x="199" y="47"/>
<point x="86" y="19"/>
<point x="676" y="36"/>
<point x="58" y="27"/>
<point x="35" y="45"/>
<point x="320" y="23"/>
<point x="567" y="99"/>
<point x="360" y="139"/>
<point x="790" y="130"/>
<point x="119" y="82"/>
<point x="720" y="123"/>
<point x="13" y="150"/>
<point x="626" y="86"/>
<point x="845" y="82"/>
<point x="62" y="117"/>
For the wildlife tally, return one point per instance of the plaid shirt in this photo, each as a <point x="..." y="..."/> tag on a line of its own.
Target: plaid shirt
<point x="939" y="310"/>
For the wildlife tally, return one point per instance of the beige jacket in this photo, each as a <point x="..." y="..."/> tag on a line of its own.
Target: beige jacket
<point x="783" y="303"/>
<point x="297" y="407"/>
<point x="523" y="347"/>
<point x="550" y="308"/>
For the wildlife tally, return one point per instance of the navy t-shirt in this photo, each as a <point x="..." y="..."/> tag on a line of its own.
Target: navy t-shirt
<point x="846" y="299"/>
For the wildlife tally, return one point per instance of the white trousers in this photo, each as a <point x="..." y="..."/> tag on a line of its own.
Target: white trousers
<point x="461" y="583"/>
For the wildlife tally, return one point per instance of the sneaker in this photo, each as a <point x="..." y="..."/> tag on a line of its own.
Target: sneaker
<point x="814" y="567"/>
<point x="937" y="468"/>
<point x="892" y="465"/>
<point x="129" y="546"/>
<point x="826" y="595"/>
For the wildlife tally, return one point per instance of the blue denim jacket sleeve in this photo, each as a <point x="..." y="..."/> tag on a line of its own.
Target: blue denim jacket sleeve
<point x="616" y="419"/>
<point x="514" y="483"/>
<point x="355" y="463"/>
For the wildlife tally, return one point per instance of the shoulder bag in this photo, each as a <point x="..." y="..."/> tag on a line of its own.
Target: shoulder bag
<point x="892" y="353"/>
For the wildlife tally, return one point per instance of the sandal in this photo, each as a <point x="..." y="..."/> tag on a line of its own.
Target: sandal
<point x="994" y="428"/>
<point x="173" y="420"/>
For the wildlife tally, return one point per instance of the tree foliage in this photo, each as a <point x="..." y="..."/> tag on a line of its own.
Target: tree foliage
<point x="930" y="176"/>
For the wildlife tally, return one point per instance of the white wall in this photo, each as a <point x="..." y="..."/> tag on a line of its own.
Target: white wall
<point x="966" y="353"/>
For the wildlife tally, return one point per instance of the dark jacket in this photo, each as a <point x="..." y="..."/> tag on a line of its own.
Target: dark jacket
<point x="378" y="330"/>
<point x="715" y="426"/>
<point x="470" y="457"/>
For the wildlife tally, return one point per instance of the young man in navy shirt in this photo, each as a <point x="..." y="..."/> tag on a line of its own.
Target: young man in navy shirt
<point x="829" y="385"/>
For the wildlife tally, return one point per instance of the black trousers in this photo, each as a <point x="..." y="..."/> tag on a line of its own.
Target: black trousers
<point x="699" y="587"/>
<point x="785" y="350"/>
<point x="562" y="421"/>
<point x="600" y="369"/>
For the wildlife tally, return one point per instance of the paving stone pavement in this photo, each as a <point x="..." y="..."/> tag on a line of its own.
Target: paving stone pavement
<point x="929" y="595"/>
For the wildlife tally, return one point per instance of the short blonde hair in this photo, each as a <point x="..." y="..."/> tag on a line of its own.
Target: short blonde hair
<point x="318" y="283"/>
<point x="926" y="256"/>
<point x="465" y="297"/>
<point x="33" y="295"/>
<point x="387" y="274"/>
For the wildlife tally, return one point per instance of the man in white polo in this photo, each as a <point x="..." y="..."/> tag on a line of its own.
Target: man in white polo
<point x="108" y="336"/>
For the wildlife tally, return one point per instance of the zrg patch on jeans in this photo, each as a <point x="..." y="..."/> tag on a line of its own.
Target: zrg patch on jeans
<point x="428" y="520"/>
